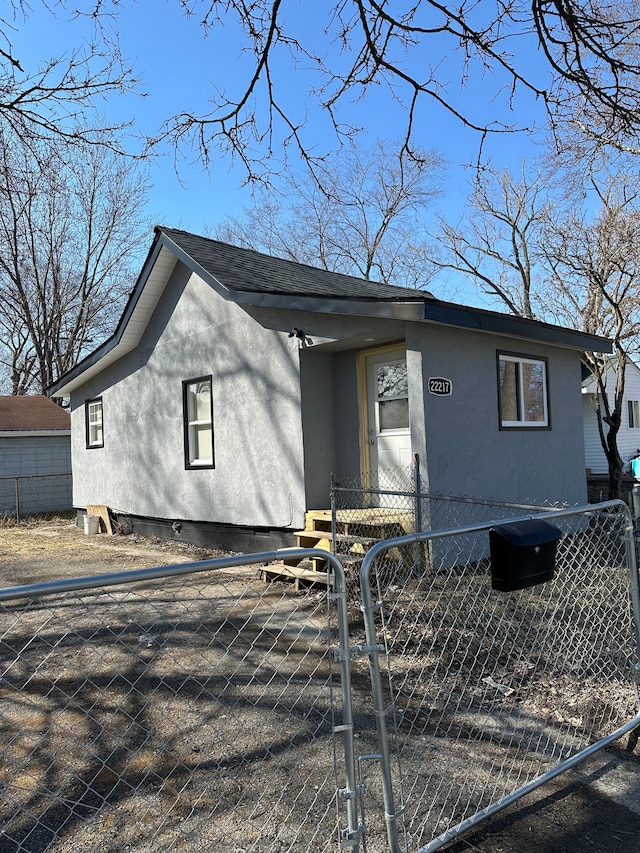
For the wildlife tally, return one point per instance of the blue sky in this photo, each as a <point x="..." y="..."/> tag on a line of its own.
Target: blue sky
<point x="177" y="65"/>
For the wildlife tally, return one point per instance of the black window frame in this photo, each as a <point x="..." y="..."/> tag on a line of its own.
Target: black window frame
<point x="93" y="445"/>
<point x="188" y="464"/>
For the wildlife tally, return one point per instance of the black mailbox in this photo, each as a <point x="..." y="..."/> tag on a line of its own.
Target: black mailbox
<point x="523" y="553"/>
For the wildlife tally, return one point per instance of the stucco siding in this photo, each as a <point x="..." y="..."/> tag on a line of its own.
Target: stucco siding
<point x="258" y="475"/>
<point x="317" y="418"/>
<point x="347" y="416"/>
<point x="467" y="452"/>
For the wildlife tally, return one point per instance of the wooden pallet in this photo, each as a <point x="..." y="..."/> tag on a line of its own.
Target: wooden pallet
<point x="300" y="575"/>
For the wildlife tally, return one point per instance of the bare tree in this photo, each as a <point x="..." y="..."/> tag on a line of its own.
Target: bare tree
<point x="70" y="228"/>
<point x="594" y="279"/>
<point x="498" y="242"/>
<point x="574" y="264"/>
<point x="580" y="60"/>
<point x="58" y="98"/>
<point x="362" y="216"/>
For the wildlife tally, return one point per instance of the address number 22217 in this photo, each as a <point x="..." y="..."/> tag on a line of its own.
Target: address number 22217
<point x="441" y="387"/>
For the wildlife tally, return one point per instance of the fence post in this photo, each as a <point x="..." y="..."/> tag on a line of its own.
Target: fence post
<point x="334" y="513"/>
<point x="17" y="500"/>
<point x="417" y="487"/>
<point x="630" y="540"/>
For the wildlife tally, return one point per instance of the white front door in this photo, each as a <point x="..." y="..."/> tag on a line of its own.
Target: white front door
<point x="388" y="436"/>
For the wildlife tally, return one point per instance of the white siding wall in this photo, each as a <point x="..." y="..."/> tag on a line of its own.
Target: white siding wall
<point x="628" y="439"/>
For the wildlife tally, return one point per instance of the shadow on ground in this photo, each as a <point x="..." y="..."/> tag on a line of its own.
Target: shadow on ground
<point x="591" y="809"/>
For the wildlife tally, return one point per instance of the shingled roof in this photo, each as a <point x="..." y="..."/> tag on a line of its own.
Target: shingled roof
<point x="250" y="278"/>
<point x="32" y="414"/>
<point x="245" y="270"/>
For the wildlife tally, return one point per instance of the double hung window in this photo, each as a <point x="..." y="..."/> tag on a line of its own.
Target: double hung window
<point x="93" y="423"/>
<point x="198" y="423"/>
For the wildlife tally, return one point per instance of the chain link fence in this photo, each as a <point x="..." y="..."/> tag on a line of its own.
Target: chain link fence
<point x="390" y="503"/>
<point x="200" y="706"/>
<point x="28" y="498"/>
<point x="160" y="711"/>
<point x="481" y="695"/>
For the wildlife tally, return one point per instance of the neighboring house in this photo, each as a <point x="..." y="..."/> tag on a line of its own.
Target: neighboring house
<point x="629" y="433"/>
<point x="236" y="383"/>
<point x="35" y="443"/>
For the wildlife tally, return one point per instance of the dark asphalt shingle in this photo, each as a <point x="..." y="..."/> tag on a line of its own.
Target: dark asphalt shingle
<point x="250" y="271"/>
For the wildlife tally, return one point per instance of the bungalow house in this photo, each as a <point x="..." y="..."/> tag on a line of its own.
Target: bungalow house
<point x="236" y="383"/>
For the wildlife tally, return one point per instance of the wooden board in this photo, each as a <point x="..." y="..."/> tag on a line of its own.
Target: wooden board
<point x="103" y="512"/>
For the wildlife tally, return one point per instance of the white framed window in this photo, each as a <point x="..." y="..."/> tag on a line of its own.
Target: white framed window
<point x="198" y="423"/>
<point x="93" y="423"/>
<point x="633" y="407"/>
<point x="522" y="392"/>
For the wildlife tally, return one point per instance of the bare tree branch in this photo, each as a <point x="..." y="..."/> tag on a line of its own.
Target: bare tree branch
<point x="59" y="98"/>
<point x="70" y="231"/>
<point x="363" y="218"/>
<point x="589" y="68"/>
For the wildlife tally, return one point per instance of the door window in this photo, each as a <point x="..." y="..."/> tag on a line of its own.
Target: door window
<point x="392" y="396"/>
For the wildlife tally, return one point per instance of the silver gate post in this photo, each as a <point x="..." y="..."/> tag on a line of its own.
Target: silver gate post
<point x="354" y="829"/>
<point x="379" y="710"/>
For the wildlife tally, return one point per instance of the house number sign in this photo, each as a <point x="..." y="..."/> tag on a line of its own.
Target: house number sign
<point x="440" y="386"/>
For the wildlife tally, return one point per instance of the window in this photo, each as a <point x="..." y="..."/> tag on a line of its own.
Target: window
<point x="198" y="423"/>
<point x="522" y="391"/>
<point x="392" y="391"/>
<point x="93" y="422"/>
<point x="634" y="414"/>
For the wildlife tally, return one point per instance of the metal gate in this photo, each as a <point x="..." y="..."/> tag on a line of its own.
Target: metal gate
<point x="479" y="695"/>
<point x="185" y="707"/>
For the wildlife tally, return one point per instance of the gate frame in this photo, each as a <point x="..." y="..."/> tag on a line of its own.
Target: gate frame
<point x="373" y="649"/>
<point x="336" y="591"/>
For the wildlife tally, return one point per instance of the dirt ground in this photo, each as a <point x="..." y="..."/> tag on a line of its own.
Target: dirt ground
<point x="53" y="551"/>
<point x="594" y="808"/>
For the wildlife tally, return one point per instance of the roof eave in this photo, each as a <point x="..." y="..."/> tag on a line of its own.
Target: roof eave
<point x="480" y="320"/>
<point x="132" y="323"/>
<point x="392" y="309"/>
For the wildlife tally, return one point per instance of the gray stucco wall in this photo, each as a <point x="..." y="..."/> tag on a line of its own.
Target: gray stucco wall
<point x="466" y="452"/>
<point x="330" y="421"/>
<point x="258" y="478"/>
<point x="347" y="421"/>
<point x="317" y="417"/>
